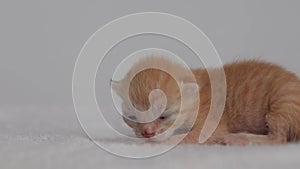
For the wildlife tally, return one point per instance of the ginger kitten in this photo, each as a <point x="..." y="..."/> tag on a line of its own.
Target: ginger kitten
<point x="262" y="102"/>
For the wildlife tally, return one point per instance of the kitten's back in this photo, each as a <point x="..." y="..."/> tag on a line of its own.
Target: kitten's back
<point x="252" y="89"/>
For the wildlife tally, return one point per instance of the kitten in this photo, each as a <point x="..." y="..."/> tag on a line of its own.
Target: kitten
<point x="262" y="102"/>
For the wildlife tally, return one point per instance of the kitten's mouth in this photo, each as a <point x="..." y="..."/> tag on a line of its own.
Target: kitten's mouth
<point x="148" y="135"/>
<point x="152" y="135"/>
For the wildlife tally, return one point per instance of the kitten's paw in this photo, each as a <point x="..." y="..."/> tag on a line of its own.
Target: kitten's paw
<point x="234" y="139"/>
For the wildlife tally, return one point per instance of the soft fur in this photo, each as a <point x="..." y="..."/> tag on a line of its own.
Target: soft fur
<point x="262" y="102"/>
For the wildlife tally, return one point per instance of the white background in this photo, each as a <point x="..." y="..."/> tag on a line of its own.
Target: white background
<point x="40" y="41"/>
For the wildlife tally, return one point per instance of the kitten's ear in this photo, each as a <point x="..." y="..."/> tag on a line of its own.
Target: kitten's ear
<point x="116" y="86"/>
<point x="189" y="90"/>
<point x="158" y="101"/>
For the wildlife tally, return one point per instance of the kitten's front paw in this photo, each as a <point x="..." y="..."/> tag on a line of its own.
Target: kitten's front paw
<point x="234" y="139"/>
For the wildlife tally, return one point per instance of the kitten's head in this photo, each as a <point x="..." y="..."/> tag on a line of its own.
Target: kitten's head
<point x="151" y="99"/>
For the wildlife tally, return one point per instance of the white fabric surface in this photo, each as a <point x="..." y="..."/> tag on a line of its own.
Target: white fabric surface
<point x="51" y="137"/>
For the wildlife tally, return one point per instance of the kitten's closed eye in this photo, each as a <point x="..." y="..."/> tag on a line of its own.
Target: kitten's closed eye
<point x="132" y="117"/>
<point x="162" y="117"/>
<point x="168" y="114"/>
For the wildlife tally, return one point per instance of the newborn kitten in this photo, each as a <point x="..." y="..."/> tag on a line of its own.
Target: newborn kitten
<point x="262" y="102"/>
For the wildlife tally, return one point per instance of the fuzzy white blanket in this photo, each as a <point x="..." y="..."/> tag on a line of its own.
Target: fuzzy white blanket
<point x="50" y="137"/>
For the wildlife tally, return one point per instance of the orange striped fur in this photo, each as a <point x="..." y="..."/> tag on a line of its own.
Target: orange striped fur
<point x="262" y="103"/>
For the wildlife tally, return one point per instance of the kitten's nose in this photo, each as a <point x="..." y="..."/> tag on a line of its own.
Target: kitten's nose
<point x="148" y="134"/>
